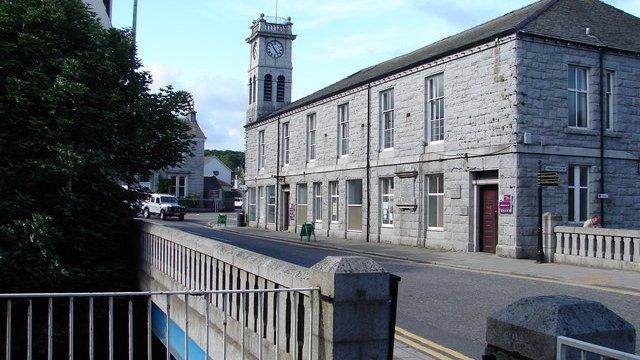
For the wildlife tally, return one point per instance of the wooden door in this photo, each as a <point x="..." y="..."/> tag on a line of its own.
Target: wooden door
<point x="488" y="218"/>
<point x="285" y="207"/>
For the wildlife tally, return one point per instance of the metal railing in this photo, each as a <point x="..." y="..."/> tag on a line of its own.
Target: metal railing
<point x="568" y="348"/>
<point x="80" y="311"/>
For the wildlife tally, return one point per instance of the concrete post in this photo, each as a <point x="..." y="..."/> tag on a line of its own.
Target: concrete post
<point x="549" y="222"/>
<point x="354" y="308"/>
<point x="528" y="328"/>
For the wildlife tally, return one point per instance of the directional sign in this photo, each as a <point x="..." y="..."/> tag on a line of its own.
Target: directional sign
<point x="548" y="178"/>
<point x="560" y="169"/>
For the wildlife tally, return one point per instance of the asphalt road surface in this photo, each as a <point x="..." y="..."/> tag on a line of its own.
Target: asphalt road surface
<point x="445" y="305"/>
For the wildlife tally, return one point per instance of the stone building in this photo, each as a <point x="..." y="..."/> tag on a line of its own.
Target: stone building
<point x="187" y="179"/>
<point x="440" y="147"/>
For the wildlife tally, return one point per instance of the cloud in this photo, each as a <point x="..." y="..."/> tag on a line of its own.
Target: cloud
<point x="219" y="101"/>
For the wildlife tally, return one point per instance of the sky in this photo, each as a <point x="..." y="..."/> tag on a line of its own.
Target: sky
<point x="199" y="45"/>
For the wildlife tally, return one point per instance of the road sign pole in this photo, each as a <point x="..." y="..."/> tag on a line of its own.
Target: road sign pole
<point x="540" y="257"/>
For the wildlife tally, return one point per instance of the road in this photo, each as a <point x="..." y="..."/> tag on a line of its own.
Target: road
<point x="445" y="305"/>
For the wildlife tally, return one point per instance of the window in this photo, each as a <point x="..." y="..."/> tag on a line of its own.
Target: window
<point x="335" y="202"/>
<point x="250" y="90"/>
<point x="271" y="204"/>
<point x="311" y="137"/>
<point x="435" y="201"/>
<point x="343" y="129"/>
<point x="261" y="203"/>
<point x="435" y="108"/>
<point x="354" y="205"/>
<point x="178" y="186"/>
<point x="252" y="203"/>
<point x="301" y="213"/>
<point x="267" y="87"/>
<point x="317" y="202"/>
<point x="261" y="149"/>
<point x="386" y="106"/>
<point x="386" y="197"/>
<point x="577" y="86"/>
<point x="255" y="88"/>
<point x="285" y="143"/>
<point x="609" y="100"/>
<point x="280" y="89"/>
<point x="578" y="193"/>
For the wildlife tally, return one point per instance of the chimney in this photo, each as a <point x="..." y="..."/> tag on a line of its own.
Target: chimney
<point x="192" y="116"/>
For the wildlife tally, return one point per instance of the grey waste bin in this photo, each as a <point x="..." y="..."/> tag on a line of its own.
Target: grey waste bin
<point x="241" y="221"/>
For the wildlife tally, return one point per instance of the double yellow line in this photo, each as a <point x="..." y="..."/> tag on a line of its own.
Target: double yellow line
<point x="428" y="347"/>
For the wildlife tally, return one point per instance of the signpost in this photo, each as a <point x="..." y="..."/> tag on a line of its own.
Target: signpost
<point x="548" y="177"/>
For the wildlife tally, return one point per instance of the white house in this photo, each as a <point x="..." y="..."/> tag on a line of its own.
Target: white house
<point x="214" y="167"/>
<point x="102" y="8"/>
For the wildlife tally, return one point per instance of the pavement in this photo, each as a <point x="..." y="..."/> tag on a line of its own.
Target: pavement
<point x="444" y="297"/>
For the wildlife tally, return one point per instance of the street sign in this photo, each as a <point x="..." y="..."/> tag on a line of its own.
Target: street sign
<point x="603" y="196"/>
<point x="560" y="169"/>
<point x="548" y="178"/>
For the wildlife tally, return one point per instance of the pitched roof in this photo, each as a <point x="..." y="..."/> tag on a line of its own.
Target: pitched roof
<point x="560" y="19"/>
<point x="195" y="130"/>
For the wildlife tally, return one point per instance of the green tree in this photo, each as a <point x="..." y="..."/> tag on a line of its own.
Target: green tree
<point x="76" y="119"/>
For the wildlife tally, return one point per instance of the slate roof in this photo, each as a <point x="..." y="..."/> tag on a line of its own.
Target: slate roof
<point x="559" y="19"/>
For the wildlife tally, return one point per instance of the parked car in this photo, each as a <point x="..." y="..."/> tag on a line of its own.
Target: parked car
<point x="237" y="203"/>
<point x="163" y="206"/>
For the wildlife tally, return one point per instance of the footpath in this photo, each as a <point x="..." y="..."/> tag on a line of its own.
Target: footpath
<point x="623" y="282"/>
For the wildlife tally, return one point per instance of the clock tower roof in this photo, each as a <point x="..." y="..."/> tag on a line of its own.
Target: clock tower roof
<point x="271" y="26"/>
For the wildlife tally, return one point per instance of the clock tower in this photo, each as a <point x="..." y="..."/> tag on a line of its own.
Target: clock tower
<point x="270" y="67"/>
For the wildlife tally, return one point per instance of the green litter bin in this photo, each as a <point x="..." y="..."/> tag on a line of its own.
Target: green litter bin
<point x="307" y="230"/>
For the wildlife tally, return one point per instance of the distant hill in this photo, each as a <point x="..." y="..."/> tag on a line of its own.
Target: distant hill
<point x="233" y="159"/>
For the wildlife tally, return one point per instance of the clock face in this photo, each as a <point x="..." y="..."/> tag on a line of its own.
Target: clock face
<point x="255" y="50"/>
<point x="275" y="49"/>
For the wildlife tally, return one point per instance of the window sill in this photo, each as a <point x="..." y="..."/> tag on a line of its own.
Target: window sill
<point x="434" y="143"/>
<point x="386" y="226"/>
<point x="580" y="131"/>
<point x="436" y="229"/>
<point x="335" y="222"/>
<point x="354" y="231"/>
<point x="613" y="134"/>
<point x="387" y="149"/>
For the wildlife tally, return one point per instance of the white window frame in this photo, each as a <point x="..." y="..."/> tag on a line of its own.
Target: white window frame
<point x="386" y="199"/>
<point x="387" y="119"/>
<point x="261" y="150"/>
<point x="251" y="199"/>
<point x="334" y="192"/>
<point x="579" y="92"/>
<point x="435" y="101"/>
<point x="299" y="191"/>
<point x="271" y="204"/>
<point x="317" y="202"/>
<point x="262" y="214"/>
<point x="350" y="205"/>
<point x="433" y="196"/>
<point x="176" y="185"/>
<point x="343" y="130"/>
<point x="577" y="187"/>
<point x="311" y="136"/>
<point x="285" y="143"/>
<point x="610" y="77"/>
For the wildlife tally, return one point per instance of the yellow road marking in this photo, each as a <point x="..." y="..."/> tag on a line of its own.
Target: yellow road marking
<point x="619" y="291"/>
<point x="432" y="353"/>
<point x="431" y="344"/>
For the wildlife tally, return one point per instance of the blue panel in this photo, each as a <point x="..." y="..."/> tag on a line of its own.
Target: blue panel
<point x="158" y="325"/>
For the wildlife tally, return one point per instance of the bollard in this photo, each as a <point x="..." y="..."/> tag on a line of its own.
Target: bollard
<point x="528" y="328"/>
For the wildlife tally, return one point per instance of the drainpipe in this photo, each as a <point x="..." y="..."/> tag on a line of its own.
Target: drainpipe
<point x="277" y="187"/>
<point x="602" y="130"/>
<point x="368" y="158"/>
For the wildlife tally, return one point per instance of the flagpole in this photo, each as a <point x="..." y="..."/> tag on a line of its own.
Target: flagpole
<point x="135" y="20"/>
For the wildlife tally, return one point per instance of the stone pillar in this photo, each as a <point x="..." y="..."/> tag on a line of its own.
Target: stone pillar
<point x="354" y="308"/>
<point x="549" y="222"/>
<point x="528" y="328"/>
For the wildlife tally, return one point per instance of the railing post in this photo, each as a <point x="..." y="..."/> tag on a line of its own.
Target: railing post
<point x="354" y="304"/>
<point x="529" y="328"/>
<point x="549" y="222"/>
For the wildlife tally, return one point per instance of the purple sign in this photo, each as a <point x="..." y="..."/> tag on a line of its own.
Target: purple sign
<point x="505" y="204"/>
